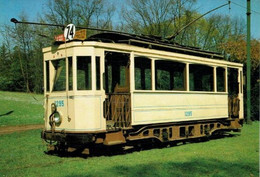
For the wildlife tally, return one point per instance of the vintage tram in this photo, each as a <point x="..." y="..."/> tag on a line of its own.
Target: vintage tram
<point x="120" y="89"/>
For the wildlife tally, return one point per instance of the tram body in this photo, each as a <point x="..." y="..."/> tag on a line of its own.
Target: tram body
<point x="111" y="93"/>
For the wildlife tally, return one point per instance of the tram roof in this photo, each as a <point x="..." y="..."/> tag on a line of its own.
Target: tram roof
<point x="152" y="42"/>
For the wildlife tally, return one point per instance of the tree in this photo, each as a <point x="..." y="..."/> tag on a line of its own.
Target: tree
<point x="152" y="17"/>
<point x="21" y="51"/>
<point x="235" y="46"/>
<point x="88" y="13"/>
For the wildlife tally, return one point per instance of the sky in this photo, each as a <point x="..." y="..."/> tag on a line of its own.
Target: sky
<point x="13" y="8"/>
<point x="237" y="10"/>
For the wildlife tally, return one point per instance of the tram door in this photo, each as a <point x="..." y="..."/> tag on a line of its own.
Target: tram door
<point x="117" y="87"/>
<point x="233" y="93"/>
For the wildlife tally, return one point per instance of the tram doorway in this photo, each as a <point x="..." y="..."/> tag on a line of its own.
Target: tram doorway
<point x="233" y="93"/>
<point x="117" y="88"/>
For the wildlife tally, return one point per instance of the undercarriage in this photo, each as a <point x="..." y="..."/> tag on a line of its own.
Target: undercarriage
<point x="143" y="134"/>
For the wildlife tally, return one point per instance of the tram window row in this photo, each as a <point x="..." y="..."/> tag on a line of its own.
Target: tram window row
<point x="172" y="75"/>
<point x="168" y="75"/>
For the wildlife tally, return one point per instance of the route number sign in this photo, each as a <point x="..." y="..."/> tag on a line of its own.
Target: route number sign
<point x="69" y="32"/>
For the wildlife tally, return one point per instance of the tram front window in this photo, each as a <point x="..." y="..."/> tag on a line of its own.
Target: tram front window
<point x="59" y="75"/>
<point x="47" y="75"/>
<point x="84" y="73"/>
<point x="70" y="73"/>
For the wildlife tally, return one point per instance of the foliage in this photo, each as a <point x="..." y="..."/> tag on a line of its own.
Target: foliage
<point x="90" y="13"/>
<point x="22" y="154"/>
<point x="152" y="17"/>
<point x="21" y="66"/>
<point x="235" y="46"/>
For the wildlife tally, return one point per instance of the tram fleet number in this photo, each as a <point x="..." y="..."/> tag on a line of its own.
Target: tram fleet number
<point x="59" y="103"/>
<point x="188" y="113"/>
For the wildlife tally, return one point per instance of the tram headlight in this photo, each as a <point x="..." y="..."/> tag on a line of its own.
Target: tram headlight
<point x="57" y="118"/>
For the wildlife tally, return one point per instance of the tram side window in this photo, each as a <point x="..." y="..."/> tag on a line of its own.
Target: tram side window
<point x="84" y="73"/>
<point x="221" y="79"/>
<point x="201" y="78"/>
<point x="70" y="74"/>
<point x="233" y="85"/>
<point x="47" y="76"/>
<point x="163" y="76"/>
<point x="169" y="75"/>
<point x="179" y="76"/>
<point x="143" y="73"/>
<point x="59" y="75"/>
<point x="116" y="72"/>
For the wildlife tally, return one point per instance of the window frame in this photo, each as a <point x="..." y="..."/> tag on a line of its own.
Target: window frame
<point x="225" y="81"/>
<point x="172" y="72"/>
<point x="202" y="86"/>
<point x="54" y="74"/>
<point x="143" y="82"/>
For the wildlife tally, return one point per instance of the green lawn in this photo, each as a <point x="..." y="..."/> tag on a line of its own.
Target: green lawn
<point x="22" y="154"/>
<point x="20" y="108"/>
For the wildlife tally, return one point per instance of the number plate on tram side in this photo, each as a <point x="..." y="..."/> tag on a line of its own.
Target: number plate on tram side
<point x="59" y="103"/>
<point x="188" y="113"/>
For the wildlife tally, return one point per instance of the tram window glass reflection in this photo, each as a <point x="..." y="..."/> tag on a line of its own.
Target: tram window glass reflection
<point x="59" y="75"/>
<point x="169" y="75"/>
<point x="70" y="74"/>
<point x="84" y="73"/>
<point x="201" y="78"/>
<point x="143" y="73"/>
<point x="221" y="79"/>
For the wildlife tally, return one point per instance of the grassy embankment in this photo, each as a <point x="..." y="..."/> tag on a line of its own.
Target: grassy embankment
<point x="20" y="109"/>
<point x="22" y="154"/>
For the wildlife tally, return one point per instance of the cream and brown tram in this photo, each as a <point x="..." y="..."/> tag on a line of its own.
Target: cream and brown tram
<point x="119" y="89"/>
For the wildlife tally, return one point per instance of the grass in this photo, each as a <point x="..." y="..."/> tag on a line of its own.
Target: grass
<point x="20" y="109"/>
<point x="22" y="154"/>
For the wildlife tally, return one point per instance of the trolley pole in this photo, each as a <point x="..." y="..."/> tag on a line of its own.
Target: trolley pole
<point x="248" y="73"/>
